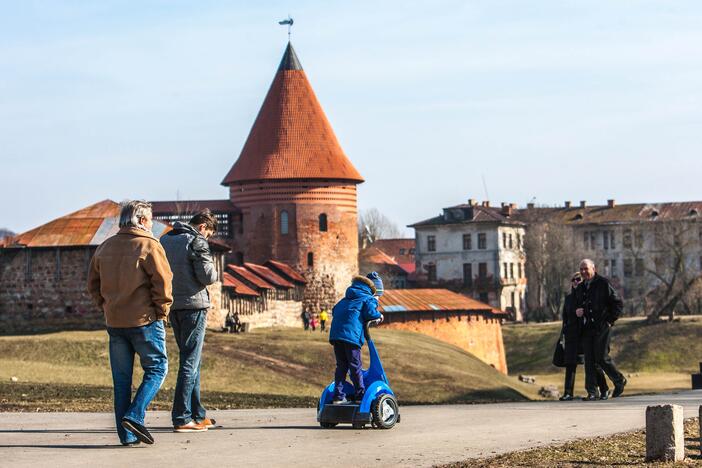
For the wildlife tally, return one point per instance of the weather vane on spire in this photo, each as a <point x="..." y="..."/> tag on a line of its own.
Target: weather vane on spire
<point x="289" y="22"/>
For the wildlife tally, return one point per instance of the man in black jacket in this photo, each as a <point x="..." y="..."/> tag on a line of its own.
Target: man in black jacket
<point x="599" y="306"/>
<point x="193" y="270"/>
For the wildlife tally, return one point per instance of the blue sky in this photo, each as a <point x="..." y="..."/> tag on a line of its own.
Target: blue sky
<point x="545" y="100"/>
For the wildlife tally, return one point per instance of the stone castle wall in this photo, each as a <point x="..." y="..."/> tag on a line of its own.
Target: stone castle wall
<point x="479" y="335"/>
<point x="278" y="314"/>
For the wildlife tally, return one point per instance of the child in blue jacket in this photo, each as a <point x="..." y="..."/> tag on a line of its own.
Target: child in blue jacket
<point x="348" y="316"/>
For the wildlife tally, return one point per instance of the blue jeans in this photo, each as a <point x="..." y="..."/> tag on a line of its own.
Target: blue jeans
<point x="149" y="343"/>
<point x="189" y="330"/>
<point x="348" y="360"/>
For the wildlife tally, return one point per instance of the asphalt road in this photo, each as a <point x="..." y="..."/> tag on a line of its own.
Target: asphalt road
<point x="427" y="435"/>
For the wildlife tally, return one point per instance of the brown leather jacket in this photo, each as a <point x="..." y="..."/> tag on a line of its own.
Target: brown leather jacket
<point x="130" y="279"/>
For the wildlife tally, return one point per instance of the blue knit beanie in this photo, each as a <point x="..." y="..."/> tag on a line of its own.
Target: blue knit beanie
<point x="377" y="282"/>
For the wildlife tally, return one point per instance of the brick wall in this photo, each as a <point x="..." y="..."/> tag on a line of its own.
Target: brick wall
<point x="45" y="289"/>
<point x="477" y="334"/>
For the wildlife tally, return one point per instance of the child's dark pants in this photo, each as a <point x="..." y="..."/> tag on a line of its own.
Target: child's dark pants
<point x="348" y="360"/>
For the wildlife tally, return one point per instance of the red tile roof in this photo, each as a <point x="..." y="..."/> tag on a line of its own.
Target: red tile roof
<point x="268" y="275"/>
<point x="228" y="281"/>
<point x="249" y="276"/>
<point x="400" y="300"/>
<point x="291" y="137"/>
<point x="286" y="271"/>
<point x="89" y="226"/>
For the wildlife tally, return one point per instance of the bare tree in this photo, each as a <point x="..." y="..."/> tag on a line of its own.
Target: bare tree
<point x="551" y="259"/>
<point x="674" y="280"/>
<point x="373" y="225"/>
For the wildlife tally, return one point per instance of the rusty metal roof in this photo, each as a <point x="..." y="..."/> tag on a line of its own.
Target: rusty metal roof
<point x="416" y="300"/>
<point x="88" y="226"/>
<point x="268" y="275"/>
<point x="291" y="137"/>
<point x="250" y="277"/>
<point x="286" y="271"/>
<point x="228" y="281"/>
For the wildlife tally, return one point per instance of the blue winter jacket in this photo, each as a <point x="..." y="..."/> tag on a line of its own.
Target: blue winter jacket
<point x="349" y="314"/>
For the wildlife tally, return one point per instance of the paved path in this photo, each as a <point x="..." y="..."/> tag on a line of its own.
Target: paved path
<point x="428" y="435"/>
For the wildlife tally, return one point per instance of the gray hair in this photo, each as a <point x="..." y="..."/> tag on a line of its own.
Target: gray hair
<point x="588" y="262"/>
<point x="132" y="212"/>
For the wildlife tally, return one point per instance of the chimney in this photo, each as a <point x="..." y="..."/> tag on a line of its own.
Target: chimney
<point x="583" y="203"/>
<point x="567" y="204"/>
<point x="506" y="210"/>
<point x="486" y="203"/>
<point x="611" y="203"/>
<point x="530" y="206"/>
<point x="472" y="202"/>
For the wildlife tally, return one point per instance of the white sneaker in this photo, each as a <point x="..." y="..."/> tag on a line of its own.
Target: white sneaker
<point x="340" y="402"/>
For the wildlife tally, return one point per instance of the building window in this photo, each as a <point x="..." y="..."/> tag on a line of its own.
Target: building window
<point x="586" y="240"/>
<point x="323" y="222"/>
<point x="431" y="273"/>
<point x="467" y="242"/>
<point x="431" y="243"/>
<point x="613" y="267"/>
<point x="638" y="239"/>
<point x="612" y="244"/>
<point x="310" y="259"/>
<point x="519" y="270"/>
<point x="411" y="251"/>
<point x="639" y="267"/>
<point x="511" y="270"/>
<point x="605" y="240"/>
<point x="468" y="274"/>
<point x="511" y="299"/>
<point x="504" y="270"/>
<point x="484" y="297"/>
<point x="482" y="241"/>
<point x="628" y="268"/>
<point x="283" y="222"/>
<point x="402" y="251"/>
<point x="519" y="241"/>
<point x="626" y="239"/>
<point x="482" y="270"/>
<point x="509" y="238"/>
<point x="504" y="240"/>
<point x="593" y="241"/>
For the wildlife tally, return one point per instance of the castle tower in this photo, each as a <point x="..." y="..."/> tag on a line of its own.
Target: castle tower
<point x="296" y="189"/>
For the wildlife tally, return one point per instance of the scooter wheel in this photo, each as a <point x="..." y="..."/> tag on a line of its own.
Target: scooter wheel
<point x="385" y="411"/>
<point x="327" y="425"/>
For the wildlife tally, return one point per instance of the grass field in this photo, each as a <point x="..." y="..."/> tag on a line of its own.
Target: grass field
<point x="268" y="367"/>
<point x="655" y="358"/>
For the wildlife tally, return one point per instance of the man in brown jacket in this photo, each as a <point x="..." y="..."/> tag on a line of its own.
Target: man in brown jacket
<point x="130" y="280"/>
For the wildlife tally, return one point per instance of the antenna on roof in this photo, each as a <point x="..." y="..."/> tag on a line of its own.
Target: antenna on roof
<point x="289" y="21"/>
<point x="487" y="195"/>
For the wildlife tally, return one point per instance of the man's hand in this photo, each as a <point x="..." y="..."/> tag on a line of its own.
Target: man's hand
<point x="580" y="312"/>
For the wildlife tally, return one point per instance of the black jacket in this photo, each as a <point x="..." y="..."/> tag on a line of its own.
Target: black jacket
<point x="601" y="302"/>
<point x="193" y="267"/>
<point x="572" y="328"/>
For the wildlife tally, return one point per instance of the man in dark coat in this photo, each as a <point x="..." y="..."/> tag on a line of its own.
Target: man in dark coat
<point x="571" y="335"/>
<point x="600" y="306"/>
<point x="193" y="268"/>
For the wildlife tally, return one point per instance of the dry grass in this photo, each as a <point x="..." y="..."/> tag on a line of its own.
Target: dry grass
<point x="271" y="367"/>
<point x="627" y="449"/>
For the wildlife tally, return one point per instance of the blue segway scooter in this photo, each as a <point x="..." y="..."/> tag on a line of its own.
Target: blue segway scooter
<point x="378" y="407"/>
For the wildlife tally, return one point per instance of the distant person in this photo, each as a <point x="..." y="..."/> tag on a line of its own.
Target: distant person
<point x="313" y="322"/>
<point x="305" y="315"/>
<point x="572" y="345"/>
<point x="130" y="280"/>
<point x="599" y="305"/>
<point x="323" y="317"/>
<point x="359" y="305"/>
<point x="193" y="270"/>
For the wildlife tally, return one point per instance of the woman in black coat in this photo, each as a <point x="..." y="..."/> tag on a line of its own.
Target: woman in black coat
<point x="572" y="348"/>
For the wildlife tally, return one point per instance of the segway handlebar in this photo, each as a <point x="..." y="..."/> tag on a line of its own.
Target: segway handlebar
<point x="368" y="324"/>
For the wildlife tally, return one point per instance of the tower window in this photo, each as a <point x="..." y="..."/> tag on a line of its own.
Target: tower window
<point x="283" y="222"/>
<point x="310" y="259"/>
<point x="323" y="222"/>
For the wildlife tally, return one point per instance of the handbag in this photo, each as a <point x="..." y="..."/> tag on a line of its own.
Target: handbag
<point x="559" y="353"/>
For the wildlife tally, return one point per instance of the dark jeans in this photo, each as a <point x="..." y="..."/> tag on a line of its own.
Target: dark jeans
<point x="348" y="360"/>
<point x="149" y="343"/>
<point x="322" y="325"/>
<point x="570" y="380"/>
<point x="189" y="330"/>
<point x="596" y="348"/>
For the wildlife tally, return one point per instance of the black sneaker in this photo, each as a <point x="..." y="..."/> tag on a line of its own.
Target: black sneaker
<point x="566" y="397"/>
<point x="590" y="397"/>
<point x="619" y="388"/>
<point x="140" y="431"/>
<point x="605" y="395"/>
<point x="132" y="443"/>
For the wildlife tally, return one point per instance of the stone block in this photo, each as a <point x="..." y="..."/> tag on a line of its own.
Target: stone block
<point x="665" y="434"/>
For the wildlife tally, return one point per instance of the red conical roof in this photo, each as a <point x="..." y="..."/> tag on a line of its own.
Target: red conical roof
<point x="291" y="137"/>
